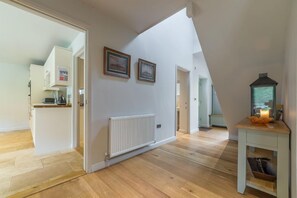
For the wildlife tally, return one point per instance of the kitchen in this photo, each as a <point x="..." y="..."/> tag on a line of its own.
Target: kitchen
<point x="50" y="116"/>
<point x="39" y="105"/>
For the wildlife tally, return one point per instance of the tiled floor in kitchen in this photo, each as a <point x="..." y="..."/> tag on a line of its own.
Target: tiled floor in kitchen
<point x="22" y="171"/>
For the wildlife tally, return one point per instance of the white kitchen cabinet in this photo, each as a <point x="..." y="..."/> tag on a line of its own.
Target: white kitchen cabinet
<point x="57" y="68"/>
<point x="51" y="129"/>
<point x="32" y="124"/>
<point x="37" y="90"/>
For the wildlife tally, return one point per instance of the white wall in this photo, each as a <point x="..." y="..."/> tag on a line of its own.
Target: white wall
<point x="78" y="43"/>
<point x="14" y="102"/>
<point x="289" y="90"/>
<point x="241" y="39"/>
<point x="167" y="45"/>
<point x="216" y="107"/>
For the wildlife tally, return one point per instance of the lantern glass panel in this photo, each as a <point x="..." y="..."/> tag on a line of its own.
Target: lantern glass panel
<point x="263" y="98"/>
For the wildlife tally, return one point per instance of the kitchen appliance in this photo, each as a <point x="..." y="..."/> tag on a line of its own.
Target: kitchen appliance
<point x="61" y="100"/>
<point x="48" y="100"/>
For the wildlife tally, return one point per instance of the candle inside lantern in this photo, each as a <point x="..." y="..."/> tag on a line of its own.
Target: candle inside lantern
<point x="264" y="113"/>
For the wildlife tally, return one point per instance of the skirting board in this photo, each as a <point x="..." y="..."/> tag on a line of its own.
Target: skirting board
<point x="204" y="125"/>
<point x="16" y="128"/>
<point x="104" y="164"/>
<point x="233" y="137"/>
<point x="194" y="131"/>
<point x="182" y="131"/>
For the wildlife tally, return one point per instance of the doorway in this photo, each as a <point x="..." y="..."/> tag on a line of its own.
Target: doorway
<point x="57" y="166"/>
<point x="79" y="94"/>
<point x="182" y="100"/>
<point x="203" y="103"/>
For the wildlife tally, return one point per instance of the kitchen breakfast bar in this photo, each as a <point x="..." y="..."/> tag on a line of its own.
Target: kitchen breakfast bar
<point x="51" y="127"/>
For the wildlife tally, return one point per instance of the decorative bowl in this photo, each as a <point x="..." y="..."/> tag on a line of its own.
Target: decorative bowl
<point x="260" y="120"/>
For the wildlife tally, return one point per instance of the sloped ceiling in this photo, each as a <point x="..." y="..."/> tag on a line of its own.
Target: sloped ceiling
<point x="139" y="15"/>
<point x="26" y="38"/>
<point x="241" y="39"/>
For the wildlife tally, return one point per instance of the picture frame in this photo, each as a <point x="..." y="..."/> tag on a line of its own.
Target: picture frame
<point x="146" y="71"/>
<point x="116" y="63"/>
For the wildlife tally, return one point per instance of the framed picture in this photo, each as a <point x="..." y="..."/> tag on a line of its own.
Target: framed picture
<point x="116" y="63"/>
<point x="146" y="71"/>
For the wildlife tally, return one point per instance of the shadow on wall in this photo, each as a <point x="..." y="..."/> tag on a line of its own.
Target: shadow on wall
<point x="101" y="135"/>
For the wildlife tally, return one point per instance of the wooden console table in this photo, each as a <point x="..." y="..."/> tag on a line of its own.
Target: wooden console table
<point x="272" y="136"/>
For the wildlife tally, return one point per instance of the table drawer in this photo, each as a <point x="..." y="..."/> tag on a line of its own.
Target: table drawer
<point x="264" y="140"/>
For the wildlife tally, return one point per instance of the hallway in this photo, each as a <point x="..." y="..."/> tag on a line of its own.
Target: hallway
<point x="202" y="165"/>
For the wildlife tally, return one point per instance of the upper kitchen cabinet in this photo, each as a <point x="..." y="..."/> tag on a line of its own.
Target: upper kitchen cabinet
<point x="37" y="92"/>
<point x="57" y="68"/>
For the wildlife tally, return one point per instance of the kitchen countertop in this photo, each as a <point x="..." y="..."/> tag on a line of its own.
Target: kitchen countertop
<point x="41" y="105"/>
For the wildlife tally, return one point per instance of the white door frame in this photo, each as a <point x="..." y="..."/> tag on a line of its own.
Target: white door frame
<point x="177" y="67"/>
<point x="47" y="13"/>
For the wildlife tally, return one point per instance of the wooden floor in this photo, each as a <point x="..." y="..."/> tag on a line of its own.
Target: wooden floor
<point x="202" y="165"/>
<point x="14" y="141"/>
<point x="22" y="170"/>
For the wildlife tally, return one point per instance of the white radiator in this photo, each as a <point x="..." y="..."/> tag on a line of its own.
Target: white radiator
<point x="128" y="133"/>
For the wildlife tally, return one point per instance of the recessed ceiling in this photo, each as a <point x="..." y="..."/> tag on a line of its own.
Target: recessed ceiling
<point x="139" y="15"/>
<point x="26" y="38"/>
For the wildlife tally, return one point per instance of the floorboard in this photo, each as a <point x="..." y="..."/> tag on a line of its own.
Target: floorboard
<point x="23" y="173"/>
<point x="201" y="165"/>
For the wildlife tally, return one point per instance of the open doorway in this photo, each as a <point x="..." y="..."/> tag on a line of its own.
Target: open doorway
<point x="182" y="100"/>
<point x="203" y="103"/>
<point x="79" y="94"/>
<point x="36" y="127"/>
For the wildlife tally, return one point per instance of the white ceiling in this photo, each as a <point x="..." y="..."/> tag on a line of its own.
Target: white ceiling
<point x="26" y="38"/>
<point x="139" y="15"/>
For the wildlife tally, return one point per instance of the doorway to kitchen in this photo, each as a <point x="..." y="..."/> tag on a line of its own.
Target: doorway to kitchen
<point x="39" y="113"/>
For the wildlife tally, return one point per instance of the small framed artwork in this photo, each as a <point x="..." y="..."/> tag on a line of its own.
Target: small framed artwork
<point x="146" y="71"/>
<point x="116" y="63"/>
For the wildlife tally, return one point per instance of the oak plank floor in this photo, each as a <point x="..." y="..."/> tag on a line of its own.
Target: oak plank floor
<point x="22" y="170"/>
<point x="16" y="140"/>
<point x="201" y="165"/>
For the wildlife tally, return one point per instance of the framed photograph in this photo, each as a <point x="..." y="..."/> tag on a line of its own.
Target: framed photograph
<point x="146" y="71"/>
<point x="116" y="63"/>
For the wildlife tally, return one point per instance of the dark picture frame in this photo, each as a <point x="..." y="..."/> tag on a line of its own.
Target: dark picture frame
<point x="116" y="63"/>
<point x="146" y="71"/>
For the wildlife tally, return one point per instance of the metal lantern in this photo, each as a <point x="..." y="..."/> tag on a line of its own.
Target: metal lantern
<point x="263" y="96"/>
